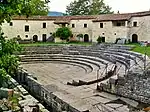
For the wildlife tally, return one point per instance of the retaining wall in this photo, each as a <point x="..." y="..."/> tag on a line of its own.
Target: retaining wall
<point x="56" y="104"/>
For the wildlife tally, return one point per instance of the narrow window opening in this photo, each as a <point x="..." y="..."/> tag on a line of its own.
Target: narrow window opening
<point x="26" y="28"/>
<point x="11" y="23"/>
<point x="73" y="25"/>
<point x="101" y="25"/>
<point x="134" y="24"/>
<point x="85" y="25"/>
<point x="44" y="25"/>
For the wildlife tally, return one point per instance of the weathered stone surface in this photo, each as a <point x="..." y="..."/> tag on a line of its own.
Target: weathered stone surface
<point x="131" y="85"/>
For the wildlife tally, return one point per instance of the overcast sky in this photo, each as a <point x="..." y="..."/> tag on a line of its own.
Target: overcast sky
<point x="123" y="6"/>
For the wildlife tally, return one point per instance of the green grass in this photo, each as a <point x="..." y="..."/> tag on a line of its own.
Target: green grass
<point x="140" y="49"/>
<point x="55" y="44"/>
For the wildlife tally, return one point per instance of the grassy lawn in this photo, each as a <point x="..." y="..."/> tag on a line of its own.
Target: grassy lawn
<point x="140" y="49"/>
<point x="55" y="44"/>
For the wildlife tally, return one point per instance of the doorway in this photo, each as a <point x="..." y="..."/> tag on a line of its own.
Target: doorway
<point x="103" y="39"/>
<point x="86" y="38"/>
<point x="35" y="38"/>
<point x="134" y="38"/>
<point x="44" y="37"/>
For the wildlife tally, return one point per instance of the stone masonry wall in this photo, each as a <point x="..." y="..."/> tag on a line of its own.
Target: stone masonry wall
<point x="136" y="86"/>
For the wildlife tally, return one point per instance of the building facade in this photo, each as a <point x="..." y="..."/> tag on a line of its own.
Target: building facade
<point x="133" y="26"/>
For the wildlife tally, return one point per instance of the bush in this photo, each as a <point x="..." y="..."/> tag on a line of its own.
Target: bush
<point x="99" y="40"/>
<point x="9" y="63"/>
<point x="64" y="33"/>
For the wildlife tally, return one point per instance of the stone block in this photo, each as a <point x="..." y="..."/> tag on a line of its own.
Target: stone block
<point x="22" y="90"/>
<point x="113" y="80"/>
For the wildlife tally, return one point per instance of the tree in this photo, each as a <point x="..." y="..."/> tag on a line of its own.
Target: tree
<point x="8" y="8"/>
<point x="80" y="7"/>
<point x="64" y="33"/>
<point x="88" y="7"/>
<point x="36" y="7"/>
<point x="9" y="62"/>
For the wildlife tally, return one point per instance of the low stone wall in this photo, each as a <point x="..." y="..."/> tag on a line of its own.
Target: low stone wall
<point x="26" y="101"/>
<point x="56" y="104"/>
<point x="135" y="85"/>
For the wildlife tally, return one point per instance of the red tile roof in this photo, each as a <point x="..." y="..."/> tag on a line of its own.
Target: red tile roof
<point x="94" y="18"/>
<point x="112" y="17"/>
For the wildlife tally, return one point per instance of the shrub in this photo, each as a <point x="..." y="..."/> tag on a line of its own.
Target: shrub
<point x="64" y="33"/>
<point x="17" y="38"/>
<point x="99" y="39"/>
<point x="9" y="63"/>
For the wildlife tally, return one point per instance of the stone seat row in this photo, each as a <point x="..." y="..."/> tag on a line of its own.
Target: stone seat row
<point x="94" y="64"/>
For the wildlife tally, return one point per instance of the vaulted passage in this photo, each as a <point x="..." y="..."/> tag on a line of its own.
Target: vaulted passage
<point x="134" y="38"/>
<point x="86" y="38"/>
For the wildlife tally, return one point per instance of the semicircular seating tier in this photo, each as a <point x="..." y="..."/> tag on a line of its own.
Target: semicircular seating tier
<point x="101" y="63"/>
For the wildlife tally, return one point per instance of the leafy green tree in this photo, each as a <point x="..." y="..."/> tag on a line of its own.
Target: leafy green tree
<point x="80" y="7"/>
<point x="64" y="33"/>
<point x="8" y="8"/>
<point x="8" y="61"/>
<point x="88" y="7"/>
<point x="99" y="7"/>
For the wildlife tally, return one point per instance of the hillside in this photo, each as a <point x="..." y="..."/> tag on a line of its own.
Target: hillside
<point x="55" y="13"/>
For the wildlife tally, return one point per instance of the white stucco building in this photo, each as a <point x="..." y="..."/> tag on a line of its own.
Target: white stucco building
<point x="133" y="26"/>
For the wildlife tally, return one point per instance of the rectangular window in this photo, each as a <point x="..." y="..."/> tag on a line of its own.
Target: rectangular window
<point x="85" y="25"/>
<point x="26" y="28"/>
<point x="11" y="24"/>
<point x="101" y="25"/>
<point x="44" y="25"/>
<point x="73" y="25"/>
<point x="134" y="24"/>
<point x="118" y="24"/>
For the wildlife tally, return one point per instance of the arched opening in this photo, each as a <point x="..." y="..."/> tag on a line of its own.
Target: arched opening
<point x="35" y="38"/>
<point x="134" y="38"/>
<point x="86" y="38"/>
<point x="79" y="37"/>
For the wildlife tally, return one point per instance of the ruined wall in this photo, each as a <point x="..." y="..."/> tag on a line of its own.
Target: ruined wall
<point x="134" y="85"/>
<point x="55" y="103"/>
